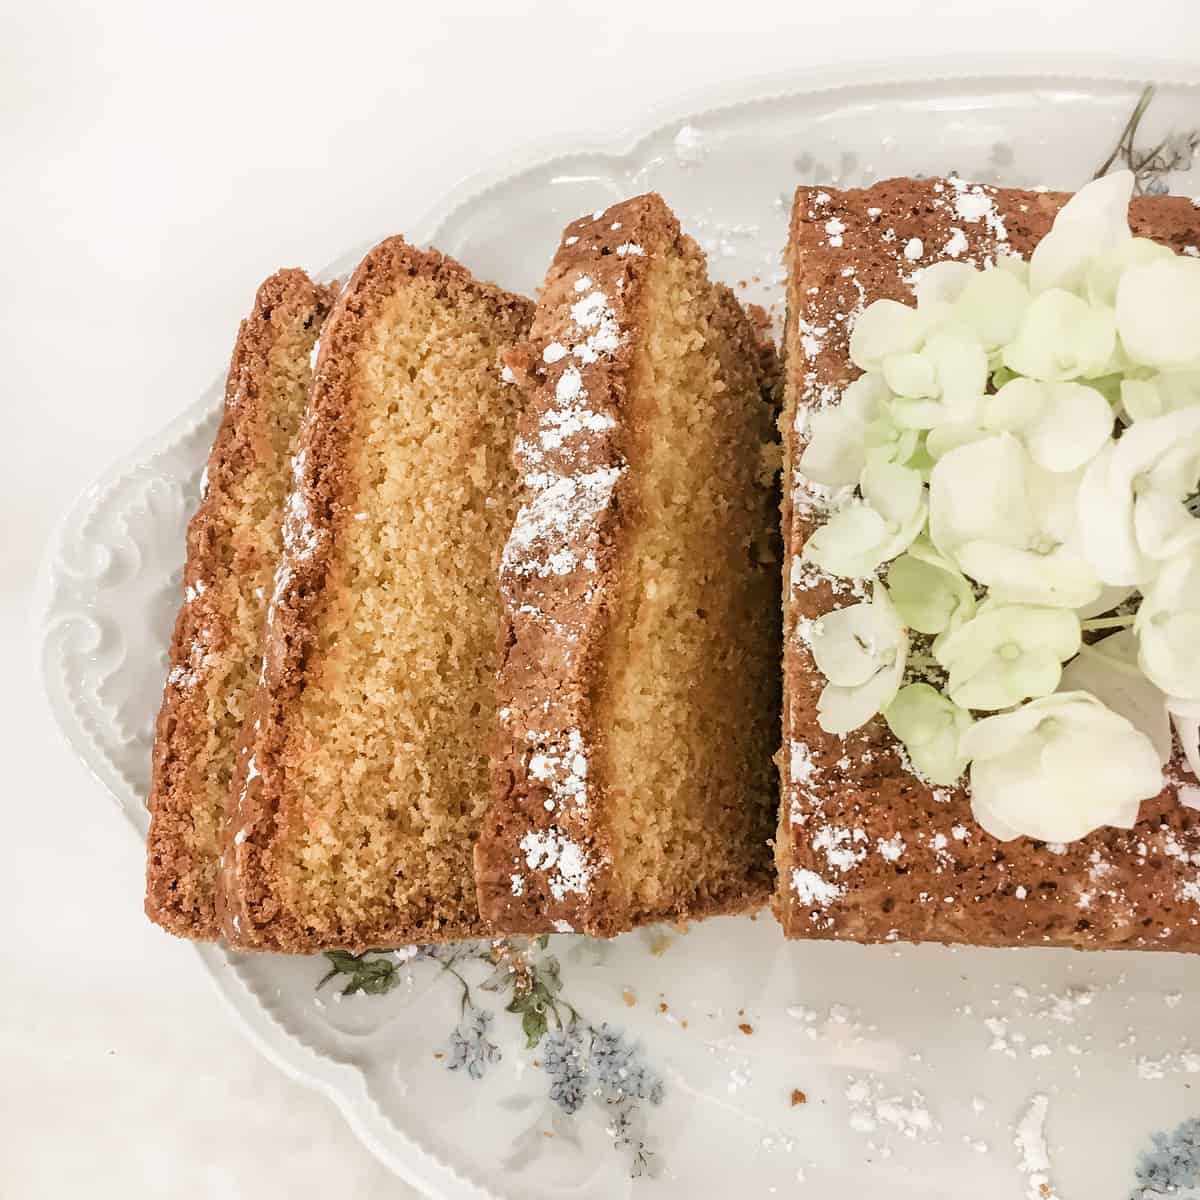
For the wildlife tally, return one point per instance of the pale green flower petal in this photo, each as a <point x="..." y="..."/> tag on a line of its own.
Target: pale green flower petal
<point x="844" y="646"/>
<point x="1187" y="729"/>
<point x="847" y="545"/>
<point x="1062" y="337"/>
<point x="977" y="493"/>
<point x="944" y="438"/>
<point x="1130" y="510"/>
<point x="1178" y="389"/>
<point x="1008" y="524"/>
<point x="1109" y="670"/>
<point x="1013" y="264"/>
<point x="931" y="728"/>
<point x="993" y="305"/>
<point x="911" y="375"/>
<point x="943" y="283"/>
<point x="1057" y="768"/>
<point x="836" y="450"/>
<point x="1071" y="428"/>
<point x="1092" y="222"/>
<point x="884" y="328"/>
<point x="1110" y="597"/>
<point x="841" y="709"/>
<point x="1015" y="406"/>
<point x="1106" y="523"/>
<point x="1163" y="525"/>
<point x="1105" y="271"/>
<point x="1168" y="628"/>
<point x="1140" y="398"/>
<point x="1158" y="313"/>
<point x="1059" y="578"/>
<point x="1006" y="654"/>
<point x="929" y="592"/>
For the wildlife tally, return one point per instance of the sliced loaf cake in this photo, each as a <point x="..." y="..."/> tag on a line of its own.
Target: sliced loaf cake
<point x="232" y="546"/>
<point x="633" y="779"/>
<point x="363" y="777"/>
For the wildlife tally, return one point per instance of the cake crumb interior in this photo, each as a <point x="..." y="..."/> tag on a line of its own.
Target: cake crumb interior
<point x="388" y="750"/>
<point x="692" y="688"/>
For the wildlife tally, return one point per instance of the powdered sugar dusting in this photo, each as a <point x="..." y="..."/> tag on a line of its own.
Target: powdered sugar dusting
<point x="973" y="203"/>
<point x="300" y="536"/>
<point x="1029" y="1137"/>
<point x="872" y="1110"/>
<point x="690" y="149"/>
<point x="813" y="891"/>
<point x="562" y="511"/>
<point x="562" y="859"/>
<point x="843" y="848"/>
<point x="569" y="476"/>
<point x="562" y="765"/>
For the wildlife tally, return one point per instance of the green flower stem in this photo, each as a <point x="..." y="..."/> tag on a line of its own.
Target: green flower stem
<point x="466" y="987"/>
<point x="1125" y="141"/>
<point x="1106" y="623"/>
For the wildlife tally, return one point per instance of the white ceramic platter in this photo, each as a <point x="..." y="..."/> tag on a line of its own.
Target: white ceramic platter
<point x="926" y="1072"/>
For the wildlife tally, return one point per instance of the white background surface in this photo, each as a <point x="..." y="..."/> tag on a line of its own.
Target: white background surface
<point x="157" y="160"/>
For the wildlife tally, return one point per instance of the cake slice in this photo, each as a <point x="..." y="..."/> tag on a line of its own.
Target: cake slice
<point x="363" y="777"/>
<point x="633" y="779"/>
<point x="868" y="850"/>
<point x="232" y="544"/>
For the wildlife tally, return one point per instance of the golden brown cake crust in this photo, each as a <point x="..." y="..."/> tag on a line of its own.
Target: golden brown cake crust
<point x="323" y="501"/>
<point x="866" y="851"/>
<point x="545" y="859"/>
<point x="221" y="574"/>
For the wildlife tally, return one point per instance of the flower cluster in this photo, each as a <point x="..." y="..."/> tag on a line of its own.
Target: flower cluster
<point x="583" y="1060"/>
<point x="470" y="1048"/>
<point x="1172" y="1166"/>
<point x="1019" y="465"/>
<point x="564" y="1059"/>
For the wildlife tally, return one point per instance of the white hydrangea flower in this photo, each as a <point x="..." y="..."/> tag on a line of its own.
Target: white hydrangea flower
<point x="1062" y="337"/>
<point x="1007" y="653"/>
<point x="929" y="592"/>
<point x="1109" y="670"/>
<point x="862" y="650"/>
<point x="931" y="728"/>
<point x="1009" y="525"/>
<point x="1057" y="768"/>
<point x="869" y="530"/>
<point x="1158" y="312"/>
<point x="1168" y="628"/>
<point x="1094" y="222"/>
<point x="1133" y="504"/>
<point x="1062" y="425"/>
